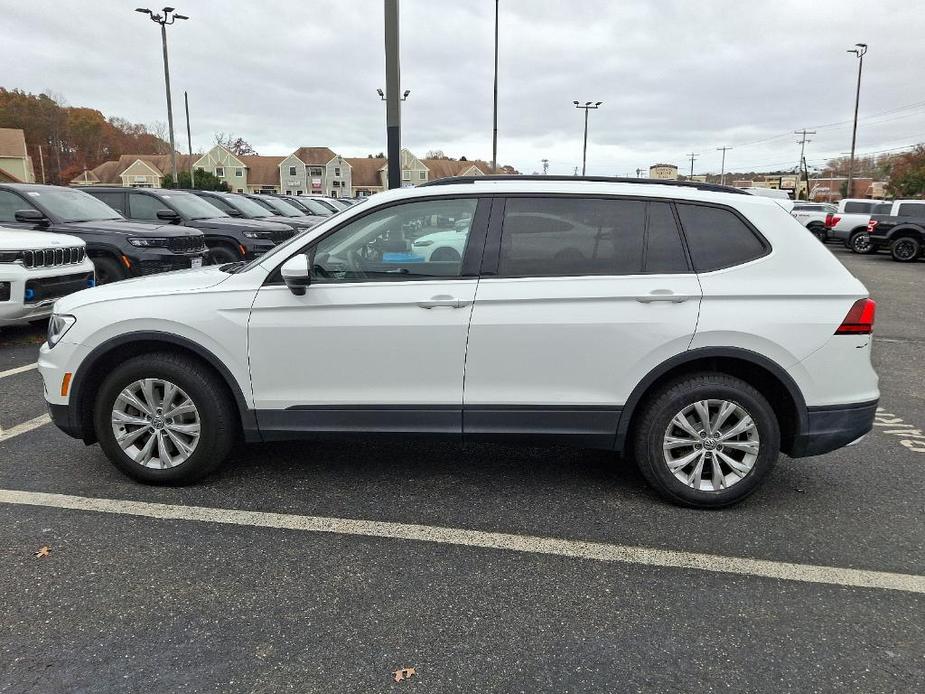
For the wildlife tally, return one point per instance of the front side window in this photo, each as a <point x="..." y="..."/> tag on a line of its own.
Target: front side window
<point x="10" y="203"/>
<point x="554" y="237"/>
<point x="145" y="206"/>
<point x="410" y="241"/>
<point x="115" y="200"/>
<point x="717" y="237"/>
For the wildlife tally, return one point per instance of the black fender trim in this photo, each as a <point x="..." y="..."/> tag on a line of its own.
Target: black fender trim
<point x="76" y="404"/>
<point x="691" y="355"/>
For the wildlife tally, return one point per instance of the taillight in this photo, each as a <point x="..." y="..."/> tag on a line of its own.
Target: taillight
<point x="871" y="225"/>
<point x="831" y="220"/>
<point x="860" y="319"/>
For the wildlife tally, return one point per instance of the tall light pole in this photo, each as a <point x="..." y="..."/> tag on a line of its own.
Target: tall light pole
<point x="587" y="106"/>
<point x="392" y="91"/>
<point x="167" y="17"/>
<point x="494" y="132"/>
<point x="722" y="166"/>
<point x="859" y="50"/>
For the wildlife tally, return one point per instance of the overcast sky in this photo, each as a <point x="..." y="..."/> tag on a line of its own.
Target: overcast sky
<point x="675" y="76"/>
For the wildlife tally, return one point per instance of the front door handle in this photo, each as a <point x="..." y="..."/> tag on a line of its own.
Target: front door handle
<point x="662" y="295"/>
<point x="442" y="301"/>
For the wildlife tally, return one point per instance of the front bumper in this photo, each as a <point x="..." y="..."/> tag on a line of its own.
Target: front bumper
<point x="833" y="426"/>
<point x="29" y="294"/>
<point x="152" y="262"/>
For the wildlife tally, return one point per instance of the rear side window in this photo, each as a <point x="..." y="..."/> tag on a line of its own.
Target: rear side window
<point x="549" y="237"/>
<point x="858" y="207"/>
<point x="717" y="237"/>
<point x="115" y="200"/>
<point x="912" y="209"/>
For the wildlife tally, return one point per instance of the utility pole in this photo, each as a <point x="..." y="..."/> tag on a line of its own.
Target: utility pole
<point x="692" y="156"/>
<point x="859" y="50"/>
<point x="392" y="94"/>
<point x="722" y="166"/>
<point x="638" y="173"/>
<point x="168" y="17"/>
<point x="494" y="135"/>
<point x="588" y="106"/>
<point x="545" y="166"/>
<point x="802" y="142"/>
<point x="189" y="142"/>
<point x="42" y="164"/>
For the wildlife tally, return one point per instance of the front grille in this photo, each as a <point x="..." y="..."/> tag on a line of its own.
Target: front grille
<point x="187" y="244"/>
<point x="54" y="287"/>
<point x="280" y="236"/>
<point x="153" y="267"/>
<point x="52" y="257"/>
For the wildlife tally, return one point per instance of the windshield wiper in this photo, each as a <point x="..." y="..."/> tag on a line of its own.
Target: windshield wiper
<point x="232" y="268"/>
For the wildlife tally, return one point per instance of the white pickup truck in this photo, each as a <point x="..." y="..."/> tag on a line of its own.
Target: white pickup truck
<point x="848" y="223"/>
<point x="812" y="215"/>
<point x="36" y="268"/>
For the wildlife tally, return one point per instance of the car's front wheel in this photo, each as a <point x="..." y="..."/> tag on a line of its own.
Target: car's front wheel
<point x="162" y="418"/>
<point x="706" y="440"/>
<point x="906" y="249"/>
<point x="860" y="243"/>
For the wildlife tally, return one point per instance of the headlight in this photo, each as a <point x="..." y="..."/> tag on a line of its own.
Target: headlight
<point x="257" y="234"/>
<point x="58" y="326"/>
<point x="149" y="243"/>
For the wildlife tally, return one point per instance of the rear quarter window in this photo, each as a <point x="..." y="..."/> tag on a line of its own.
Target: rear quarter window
<point x="718" y="238"/>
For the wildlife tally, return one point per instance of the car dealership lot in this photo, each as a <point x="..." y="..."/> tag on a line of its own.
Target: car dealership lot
<point x="135" y="597"/>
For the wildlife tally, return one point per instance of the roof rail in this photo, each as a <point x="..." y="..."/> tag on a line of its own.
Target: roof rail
<point x="715" y="187"/>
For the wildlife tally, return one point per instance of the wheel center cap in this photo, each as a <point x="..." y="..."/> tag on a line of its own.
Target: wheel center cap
<point x="709" y="444"/>
<point x="158" y="422"/>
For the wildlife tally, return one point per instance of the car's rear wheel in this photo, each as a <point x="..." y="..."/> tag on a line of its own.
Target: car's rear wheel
<point x="162" y="418"/>
<point x="706" y="440"/>
<point x="819" y="231"/>
<point x="906" y="249"/>
<point x="108" y="270"/>
<point x="860" y="243"/>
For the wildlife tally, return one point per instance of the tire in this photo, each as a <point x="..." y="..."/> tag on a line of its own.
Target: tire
<point x="214" y="413"/>
<point x="906" y="249"/>
<point x="445" y="254"/>
<point x="657" y="421"/>
<point x="860" y="243"/>
<point x="223" y="254"/>
<point x="108" y="270"/>
<point x="819" y="231"/>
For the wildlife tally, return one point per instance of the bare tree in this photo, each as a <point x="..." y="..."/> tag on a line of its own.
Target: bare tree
<point x="236" y="145"/>
<point x="160" y="130"/>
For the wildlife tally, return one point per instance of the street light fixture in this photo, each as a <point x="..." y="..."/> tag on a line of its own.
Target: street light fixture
<point x="859" y="50"/>
<point x="167" y="17"/>
<point x="587" y="106"/>
<point x="404" y="97"/>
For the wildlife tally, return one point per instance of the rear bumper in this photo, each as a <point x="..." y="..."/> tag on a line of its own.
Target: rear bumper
<point x="832" y="427"/>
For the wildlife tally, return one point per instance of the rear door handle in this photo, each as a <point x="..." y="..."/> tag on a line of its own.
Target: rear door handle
<point x="662" y="295"/>
<point x="442" y="301"/>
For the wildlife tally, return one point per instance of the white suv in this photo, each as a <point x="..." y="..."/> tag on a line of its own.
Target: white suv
<point x="693" y="326"/>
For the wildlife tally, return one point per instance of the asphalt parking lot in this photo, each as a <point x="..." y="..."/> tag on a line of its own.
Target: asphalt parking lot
<point x="471" y="564"/>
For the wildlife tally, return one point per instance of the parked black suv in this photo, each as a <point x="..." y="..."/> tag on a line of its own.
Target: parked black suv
<point x="903" y="233"/>
<point x="280" y="207"/>
<point x="311" y="207"/>
<point x="117" y="247"/>
<point x="229" y="239"/>
<point x="238" y="205"/>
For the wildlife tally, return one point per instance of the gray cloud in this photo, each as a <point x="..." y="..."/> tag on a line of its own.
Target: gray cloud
<point x="674" y="76"/>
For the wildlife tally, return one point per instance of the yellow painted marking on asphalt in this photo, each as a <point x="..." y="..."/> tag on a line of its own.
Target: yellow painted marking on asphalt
<point x="18" y="370"/>
<point x="576" y="549"/>
<point x="7" y="434"/>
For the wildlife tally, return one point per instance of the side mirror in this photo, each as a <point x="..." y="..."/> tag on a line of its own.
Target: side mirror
<point x="30" y="217"/>
<point x="234" y="213"/>
<point x="297" y="274"/>
<point x="168" y="215"/>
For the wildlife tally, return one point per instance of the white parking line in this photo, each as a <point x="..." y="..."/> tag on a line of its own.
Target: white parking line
<point x="7" y="434"/>
<point x="576" y="549"/>
<point x="18" y="370"/>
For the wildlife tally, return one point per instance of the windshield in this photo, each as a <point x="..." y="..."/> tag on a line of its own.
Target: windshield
<point x="281" y="207"/>
<point x="191" y="206"/>
<point x="330" y="206"/>
<point x="315" y="207"/>
<point x="247" y="206"/>
<point x="72" y="205"/>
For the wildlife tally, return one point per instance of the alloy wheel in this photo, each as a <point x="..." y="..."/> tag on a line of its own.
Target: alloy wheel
<point x="156" y="423"/>
<point x="711" y="445"/>
<point x="860" y="243"/>
<point x="905" y="249"/>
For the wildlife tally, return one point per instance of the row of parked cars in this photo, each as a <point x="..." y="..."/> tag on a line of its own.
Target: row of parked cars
<point x="56" y="240"/>
<point x="868" y="226"/>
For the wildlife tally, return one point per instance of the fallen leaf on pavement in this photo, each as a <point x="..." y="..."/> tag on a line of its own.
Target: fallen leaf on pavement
<point x="43" y="552"/>
<point x="404" y="674"/>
